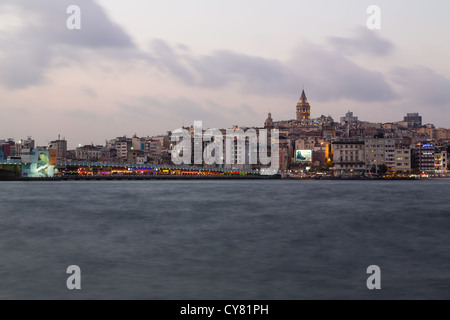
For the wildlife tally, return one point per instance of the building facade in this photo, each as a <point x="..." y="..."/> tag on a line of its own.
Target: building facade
<point x="413" y="119"/>
<point x="349" y="157"/>
<point x="61" y="148"/>
<point x="379" y="152"/>
<point x="88" y="153"/>
<point x="441" y="160"/>
<point x="349" y="119"/>
<point x="402" y="159"/>
<point x="423" y="157"/>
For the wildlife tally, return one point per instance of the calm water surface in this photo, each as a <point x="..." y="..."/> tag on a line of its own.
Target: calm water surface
<point x="225" y="239"/>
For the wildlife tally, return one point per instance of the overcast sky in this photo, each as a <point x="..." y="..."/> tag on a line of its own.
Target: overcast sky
<point x="146" y="67"/>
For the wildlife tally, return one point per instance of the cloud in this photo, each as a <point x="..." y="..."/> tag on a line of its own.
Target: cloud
<point x="80" y="114"/>
<point x="422" y="86"/>
<point x="331" y="74"/>
<point x="175" y="109"/>
<point x="254" y="74"/>
<point x="89" y="92"/>
<point x="365" y="42"/>
<point x="334" y="77"/>
<point x="44" y="42"/>
<point x="168" y="59"/>
<point x="41" y="36"/>
<point x="182" y="109"/>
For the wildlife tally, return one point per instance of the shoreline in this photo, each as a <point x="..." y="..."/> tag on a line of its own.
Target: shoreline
<point x="178" y="177"/>
<point x="143" y="178"/>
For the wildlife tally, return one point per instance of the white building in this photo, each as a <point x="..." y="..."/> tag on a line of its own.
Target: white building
<point x="349" y="119"/>
<point x="88" y="153"/>
<point x="402" y="159"/>
<point x="122" y="149"/>
<point x="441" y="161"/>
<point x="349" y="157"/>
<point x="380" y="151"/>
<point x="61" y="148"/>
<point x="24" y="144"/>
<point x="153" y="148"/>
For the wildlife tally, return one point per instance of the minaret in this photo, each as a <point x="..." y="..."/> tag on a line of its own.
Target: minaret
<point x="303" y="108"/>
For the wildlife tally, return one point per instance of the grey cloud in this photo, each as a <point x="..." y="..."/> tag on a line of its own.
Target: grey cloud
<point x="97" y="30"/>
<point x="80" y="114"/>
<point x="179" y="108"/>
<point x="29" y="51"/>
<point x="89" y="92"/>
<point x="365" y="42"/>
<point x="221" y="68"/>
<point x="182" y="109"/>
<point x="167" y="59"/>
<point x="329" y="73"/>
<point x="333" y="76"/>
<point x="423" y="86"/>
<point x="243" y="110"/>
<point x="47" y="40"/>
<point x="255" y="74"/>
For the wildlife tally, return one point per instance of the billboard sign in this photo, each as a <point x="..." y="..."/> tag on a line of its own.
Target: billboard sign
<point x="53" y="157"/>
<point x="303" y="155"/>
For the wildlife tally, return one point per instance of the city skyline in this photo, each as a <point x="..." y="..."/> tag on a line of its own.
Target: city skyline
<point x="128" y="70"/>
<point x="223" y="157"/>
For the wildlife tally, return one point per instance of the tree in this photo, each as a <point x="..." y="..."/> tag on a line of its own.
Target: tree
<point x="382" y="169"/>
<point x="373" y="169"/>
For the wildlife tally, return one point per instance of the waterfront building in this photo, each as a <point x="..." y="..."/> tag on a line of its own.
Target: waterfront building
<point x="423" y="156"/>
<point x="402" y="159"/>
<point x="108" y="154"/>
<point x="321" y="154"/>
<point x="308" y="143"/>
<point x="378" y="152"/>
<point x="137" y="143"/>
<point x="88" y="153"/>
<point x="441" y="160"/>
<point x="122" y="148"/>
<point x="5" y="147"/>
<point x="154" y="148"/>
<point x="60" y="146"/>
<point x="349" y="157"/>
<point x="137" y="156"/>
<point x="28" y="143"/>
<point x="239" y="154"/>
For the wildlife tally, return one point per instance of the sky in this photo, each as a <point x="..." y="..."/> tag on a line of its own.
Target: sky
<point x="148" y="67"/>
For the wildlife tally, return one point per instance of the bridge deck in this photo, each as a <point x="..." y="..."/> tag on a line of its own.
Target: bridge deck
<point x="61" y="164"/>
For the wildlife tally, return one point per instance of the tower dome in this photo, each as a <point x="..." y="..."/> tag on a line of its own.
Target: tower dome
<point x="303" y="108"/>
<point x="269" y="121"/>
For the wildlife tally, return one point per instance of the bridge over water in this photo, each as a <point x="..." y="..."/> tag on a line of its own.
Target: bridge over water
<point x="105" y="168"/>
